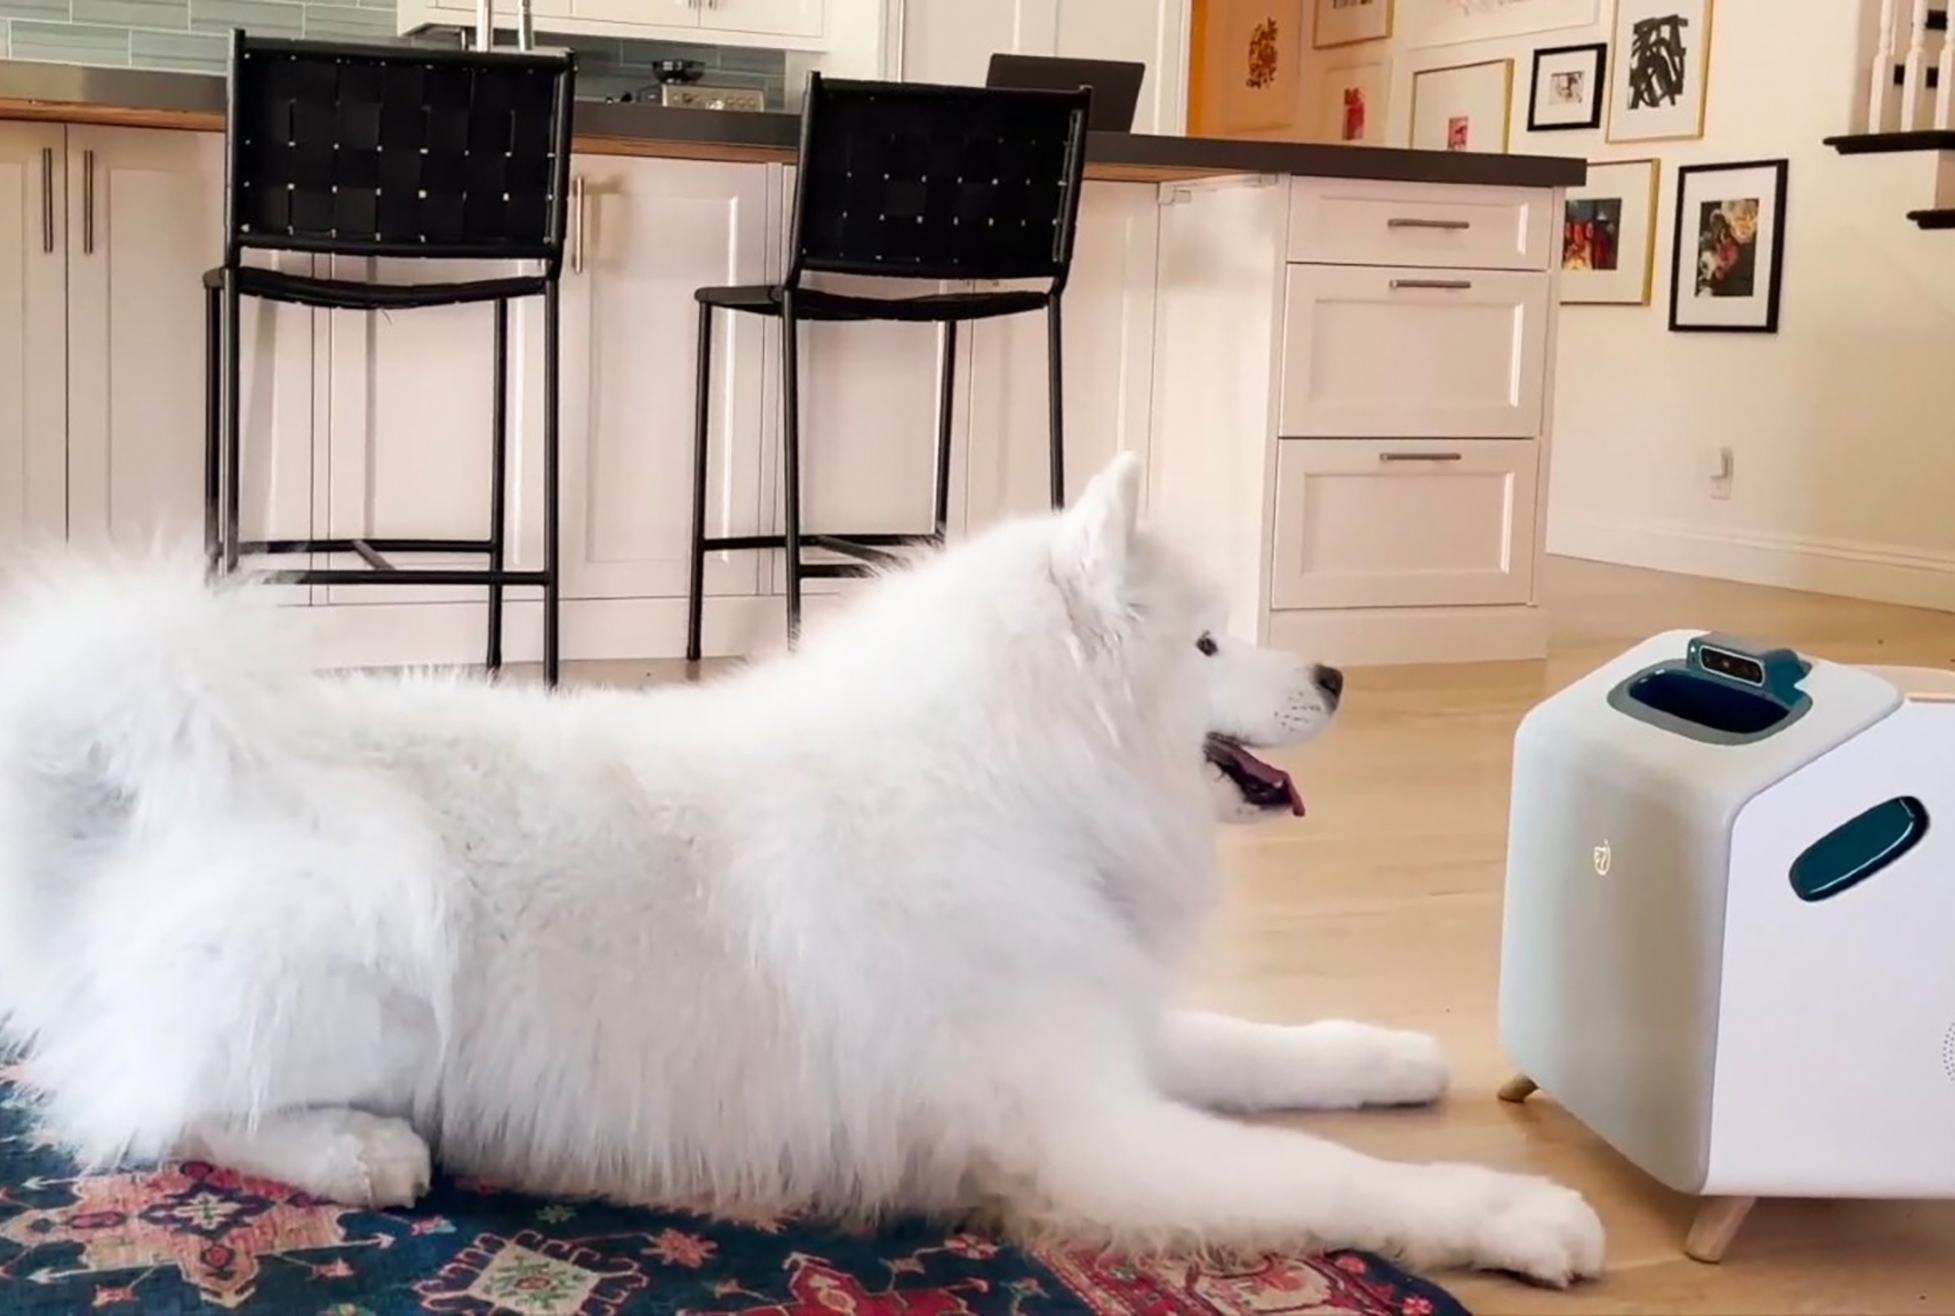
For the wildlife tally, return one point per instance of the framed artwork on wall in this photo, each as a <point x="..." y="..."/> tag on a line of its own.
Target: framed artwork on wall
<point x="1253" y="65"/>
<point x="1662" y="65"/>
<point x="1351" y="103"/>
<point x="1451" y="22"/>
<point x="1347" y="22"/>
<point x="1729" y="253"/>
<point x="1567" y="88"/>
<point x="1608" y="235"/>
<point x="1462" y="108"/>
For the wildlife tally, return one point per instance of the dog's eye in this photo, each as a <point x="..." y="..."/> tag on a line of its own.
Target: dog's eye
<point x="1206" y="644"/>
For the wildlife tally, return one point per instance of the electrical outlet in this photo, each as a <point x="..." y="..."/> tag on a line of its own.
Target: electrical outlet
<point x="1722" y="467"/>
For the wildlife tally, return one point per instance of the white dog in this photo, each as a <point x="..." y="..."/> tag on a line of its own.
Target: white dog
<point x="887" y="925"/>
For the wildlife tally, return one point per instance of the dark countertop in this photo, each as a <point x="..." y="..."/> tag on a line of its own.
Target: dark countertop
<point x="139" y="98"/>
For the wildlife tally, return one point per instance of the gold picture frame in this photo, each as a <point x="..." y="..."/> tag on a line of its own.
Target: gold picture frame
<point x="1636" y="225"/>
<point x="1320" y="8"/>
<point x="1463" y="87"/>
<point x="1688" y="126"/>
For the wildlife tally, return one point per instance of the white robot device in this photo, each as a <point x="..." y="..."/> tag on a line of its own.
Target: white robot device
<point x="1729" y="931"/>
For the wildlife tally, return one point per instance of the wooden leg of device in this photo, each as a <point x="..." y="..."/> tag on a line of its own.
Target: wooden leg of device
<point x="1518" y="1088"/>
<point x="1717" y="1223"/>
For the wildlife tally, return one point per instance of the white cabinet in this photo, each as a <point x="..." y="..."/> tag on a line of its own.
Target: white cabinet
<point x="648" y="232"/>
<point x="783" y="24"/>
<point x="33" y="334"/>
<point x="952" y="41"/>
<point x="1108" y="337"/>
<point x="1379" y="524"/>
<point x="778" y="18"/>
<point x="1371" y="352"/>
<point x="145" y="214"/>
<point x="1361" y="221"/>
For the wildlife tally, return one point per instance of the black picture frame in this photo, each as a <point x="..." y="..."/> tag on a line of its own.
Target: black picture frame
<point x="1599" y="51"/>
<point x="1781" y="170"/>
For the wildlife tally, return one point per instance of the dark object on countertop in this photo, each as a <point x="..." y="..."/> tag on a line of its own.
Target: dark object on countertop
<point x="1115" y="83"/>
<point x="679" y="70"/>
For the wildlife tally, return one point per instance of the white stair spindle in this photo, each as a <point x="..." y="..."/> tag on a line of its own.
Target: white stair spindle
<point x="1944" y="80"/>
<point x="1881" y="92"/>
<point x="1917" y="67"/>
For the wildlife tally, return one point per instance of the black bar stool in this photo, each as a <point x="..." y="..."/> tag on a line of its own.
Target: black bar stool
<point x="342" y="150"/>
<point x="909" y="181"/>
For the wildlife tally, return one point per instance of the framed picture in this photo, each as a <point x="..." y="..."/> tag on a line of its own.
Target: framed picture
<point x="1463" y="108"/>
<point x="1351" y="103"/>
<point x="1347" y="22"/>
<point x="1568" y="88"/>
<point x="1730" y="247"/>
<point x="1451" y="22"/>
<point x="1662" y="62"/>
<point x="1250" y="83"/>
<point x="1608" y="235"/>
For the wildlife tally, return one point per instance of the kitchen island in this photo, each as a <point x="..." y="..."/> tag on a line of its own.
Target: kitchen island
<point x="1336" y="361"/>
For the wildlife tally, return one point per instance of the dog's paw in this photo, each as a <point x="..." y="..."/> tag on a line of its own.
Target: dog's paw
<point x="377" y="1162"/>
<point x="1517" y="1223"/>
<point x="1406" y="1069"/>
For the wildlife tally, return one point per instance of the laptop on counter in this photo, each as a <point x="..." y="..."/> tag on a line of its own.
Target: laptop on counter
<point x="1115" y="84"/>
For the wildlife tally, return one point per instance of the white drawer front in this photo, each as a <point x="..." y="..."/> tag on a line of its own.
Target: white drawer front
<point x="1370" y="524"/>
<point x="1377" y="353"/>
<point x="1357" y="222"/>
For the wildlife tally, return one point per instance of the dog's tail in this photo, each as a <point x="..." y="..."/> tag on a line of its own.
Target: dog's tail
<point x="130" y="691"/>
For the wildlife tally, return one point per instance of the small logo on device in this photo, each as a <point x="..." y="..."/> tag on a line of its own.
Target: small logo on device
<point x="1603" y="857"/>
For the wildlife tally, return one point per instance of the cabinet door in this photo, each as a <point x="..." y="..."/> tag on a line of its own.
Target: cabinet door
<point x="33" y="335"/>
<point x="1378" y="353"/>
<point x="778" y="18"/>
<point x="145" y="220"/>
<point x="1363" y="524"/>
<point x="648" y="232"/>
<point x="1108" y="344"/>
<point x="641" y="13"/>
<point x="951" y="41"/>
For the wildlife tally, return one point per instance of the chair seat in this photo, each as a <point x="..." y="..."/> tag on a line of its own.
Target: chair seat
<point x="810" y="304"/>
<point x="347" y="295"/>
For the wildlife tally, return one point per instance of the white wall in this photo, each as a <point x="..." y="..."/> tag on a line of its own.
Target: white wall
<point x="1843" y="423"/>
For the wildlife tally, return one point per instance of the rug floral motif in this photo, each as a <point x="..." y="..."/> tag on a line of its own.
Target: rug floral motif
<point x="194" y="1238"/>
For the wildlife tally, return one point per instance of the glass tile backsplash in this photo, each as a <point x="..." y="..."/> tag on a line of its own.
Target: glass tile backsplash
<point x="190" y="36"/>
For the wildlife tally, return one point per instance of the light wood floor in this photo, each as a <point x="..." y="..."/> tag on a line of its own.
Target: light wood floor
<point x="1384" y="904"/>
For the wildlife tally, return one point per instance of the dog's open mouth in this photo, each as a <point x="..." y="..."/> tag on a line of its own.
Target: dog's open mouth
<point x="1263" y="785"/>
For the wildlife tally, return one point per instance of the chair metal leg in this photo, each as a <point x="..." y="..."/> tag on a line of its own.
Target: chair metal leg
<point x="552" y="565"/>
<point x="791" y="460"/>
<point x="233" y="474"/>
<point x="946" y="404"/>
<point x="498" y="482"/>
<point x="213" y="427"/>
<point x="702" y="397"/>
<point x="1056" y="401"/>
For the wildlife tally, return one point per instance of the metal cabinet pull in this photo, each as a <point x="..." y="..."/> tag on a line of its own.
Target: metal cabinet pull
<point x="1450" y="225"/>
<point x="577" y="224"/>
<point x="1438" y="285"/>
<point x="47" y="199"/>
<point x="88" y="203"/>
<point x="1420" y="456"/>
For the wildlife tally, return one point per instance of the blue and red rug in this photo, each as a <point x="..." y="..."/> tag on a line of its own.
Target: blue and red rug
<point x="192" y="1238"/>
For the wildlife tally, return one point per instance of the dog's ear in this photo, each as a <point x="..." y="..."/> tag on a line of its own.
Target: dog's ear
<point x="1095" y="534"/>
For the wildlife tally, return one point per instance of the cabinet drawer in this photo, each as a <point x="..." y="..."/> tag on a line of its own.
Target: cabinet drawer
<point x="1358" y="222"/>
<point x="1368" y="524"/>
<point x="1383" y="353"/>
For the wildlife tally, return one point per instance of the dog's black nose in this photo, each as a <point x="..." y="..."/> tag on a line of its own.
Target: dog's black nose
<point x="1330" y="681"/>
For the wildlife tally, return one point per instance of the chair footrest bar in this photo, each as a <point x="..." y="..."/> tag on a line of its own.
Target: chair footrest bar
<point x="251" y="546"/>
<point x="833" y="543"/>
<point x="408" y="576"/>
<point x="837" y="570"/>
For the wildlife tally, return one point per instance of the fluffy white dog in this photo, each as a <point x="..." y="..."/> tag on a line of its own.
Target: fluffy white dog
<point x="887" y="925"/>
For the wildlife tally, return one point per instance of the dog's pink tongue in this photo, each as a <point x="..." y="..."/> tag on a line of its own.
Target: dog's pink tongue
<point x="1269" y="774"/>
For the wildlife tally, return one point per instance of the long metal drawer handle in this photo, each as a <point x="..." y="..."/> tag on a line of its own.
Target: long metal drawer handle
<point x="47" y="199"/>
<point x="88" y="203"/>
<point x="577" y="224"/>
<point x="1439" y="285"/>
<point x="1420" y="456"/>
<point x="1451" y="225"/>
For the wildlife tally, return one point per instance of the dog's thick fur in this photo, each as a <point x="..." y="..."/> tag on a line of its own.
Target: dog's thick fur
<point x="887" y="925"/>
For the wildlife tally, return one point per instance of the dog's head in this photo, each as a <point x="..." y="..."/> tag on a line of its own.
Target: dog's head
<point x="1145" y="612"/>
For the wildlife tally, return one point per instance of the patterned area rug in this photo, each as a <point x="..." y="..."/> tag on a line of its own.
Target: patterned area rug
<point x="191" y="1238"/>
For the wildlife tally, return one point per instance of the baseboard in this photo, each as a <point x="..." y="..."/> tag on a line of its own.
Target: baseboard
<point x="1819" y="566"/>
<point x="1390" y="637"/>
<point x="449" y="634"/>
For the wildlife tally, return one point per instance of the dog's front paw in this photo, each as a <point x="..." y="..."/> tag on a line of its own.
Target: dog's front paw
<point x="1517" y="1223"/>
